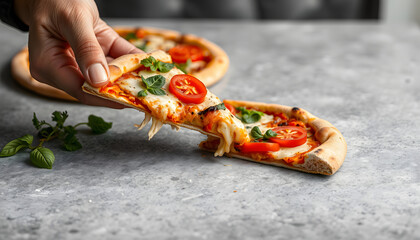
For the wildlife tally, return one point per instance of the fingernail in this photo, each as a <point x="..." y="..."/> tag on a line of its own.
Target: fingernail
<point x="97" y="74"/>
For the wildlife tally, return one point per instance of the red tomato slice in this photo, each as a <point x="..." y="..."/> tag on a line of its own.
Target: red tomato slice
<point x="231" y="108"/>
<point x="188" y="89"/>
<point x="181" y="53"/>
<point x="255" y="147"/>
<point x="289" y="136"/>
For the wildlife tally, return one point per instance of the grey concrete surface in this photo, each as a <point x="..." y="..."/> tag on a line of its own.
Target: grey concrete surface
<point x="362" y="77"/>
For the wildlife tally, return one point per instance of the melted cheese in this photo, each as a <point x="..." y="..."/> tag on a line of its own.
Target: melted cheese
<point x="168" y="107"/>
<point x="290" y="152"/>
<point x="261" y="123"/>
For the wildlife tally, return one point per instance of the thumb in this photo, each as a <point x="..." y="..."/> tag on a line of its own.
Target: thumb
<point x="89" y="54"/>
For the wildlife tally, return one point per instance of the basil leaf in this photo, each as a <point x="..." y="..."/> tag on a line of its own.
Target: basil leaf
<point x="269" y="134"/>
<point x="28" y="139"/>
<point x="59" y="117"/>
<point x="14" y="146"/>
<point x="71" y="143"/>
<point x="36" y="122"/>
<point x="98" y="125"/>
<point x="148" y="62"/>
<point x="156" y="81"/>
<point x="165" y="67"/>
<point x="142" y="93"/>
<point x="256" y="133"/>
<point x="251" y="118"/>
<point x="130" y="36"/>
<point x="42" y="157"/>
<point x="156" y="91"/>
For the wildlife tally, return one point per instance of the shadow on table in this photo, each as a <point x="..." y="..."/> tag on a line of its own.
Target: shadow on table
<point x="11" y="85"/>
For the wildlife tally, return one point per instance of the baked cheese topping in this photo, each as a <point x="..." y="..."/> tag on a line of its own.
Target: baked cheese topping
<point x="169" y="108"/>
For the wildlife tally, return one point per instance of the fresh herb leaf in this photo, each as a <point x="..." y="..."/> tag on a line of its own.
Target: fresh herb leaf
<point x="142" y="93"/>
<point x="98" y="125"/>
<point x="71" y="143"/>
<point x="28" y="139"/>
<point x="154" y="64"/>
<point x="256" y="133"/>
<point x="42" y="157"/>
<point x="130" y="36"/>
<point x="153" y="85"/>
<point x="59" y="118"/>
<point x="269" y="134"/>
<point x="14" y="146"/>
<point x="38" y="124"/>
<point x="165" y="67"/>
<point x="156" y="81"/>
<point x="156" y="91"/>
<point x="249" y="116"/>
<point x="148" y="62"/>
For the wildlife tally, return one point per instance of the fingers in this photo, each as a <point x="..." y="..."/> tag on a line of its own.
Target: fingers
<point x="53" y="63"/>
<point x="112" y="44"/>
<point x="88" y="52"/>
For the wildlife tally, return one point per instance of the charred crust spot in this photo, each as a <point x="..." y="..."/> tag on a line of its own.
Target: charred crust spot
<point x="332" y="159"/>
<point x="318" y="151"/>
<point x="295" y="109"/>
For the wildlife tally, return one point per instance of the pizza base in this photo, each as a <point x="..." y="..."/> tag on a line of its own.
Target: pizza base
<point x="21" y="73"/>
<point x="325" y="159"/>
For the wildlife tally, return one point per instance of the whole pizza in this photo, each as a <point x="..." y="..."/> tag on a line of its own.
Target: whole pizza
<point x="191" y="54"/>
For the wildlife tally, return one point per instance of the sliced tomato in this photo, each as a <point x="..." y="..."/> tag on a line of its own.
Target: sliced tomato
<point x="254" y="147"/>
<point x="187" y="88"/>
<point x="181" y="53"/>
<point x="289" y="136"/>
<point x="140" y="33"/>
<point x="231" y="108"/>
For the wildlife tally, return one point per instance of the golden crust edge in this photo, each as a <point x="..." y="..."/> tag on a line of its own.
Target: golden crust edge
<point x="21" y="73"/>
<point x="326" y="159"/>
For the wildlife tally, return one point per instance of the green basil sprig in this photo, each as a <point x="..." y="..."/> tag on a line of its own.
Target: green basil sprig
<point x="257" y="134"/>
<point x="249" y="116"/>
<point x="155" y="65"/>
<point x="43" y="157"/>
<point x="153" y="85"/>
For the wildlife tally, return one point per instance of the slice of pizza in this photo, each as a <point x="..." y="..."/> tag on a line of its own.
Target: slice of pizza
<point x="285" y="136"/>
<point x="152" y="84"/>
<point x="193" y="55"/>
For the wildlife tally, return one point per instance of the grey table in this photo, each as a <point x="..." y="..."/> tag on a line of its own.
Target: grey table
<point x="362" y="77"/>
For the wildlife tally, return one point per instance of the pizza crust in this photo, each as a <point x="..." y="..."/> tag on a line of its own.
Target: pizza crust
<point x="326" y="159"/>
<point x="21" y="73"/>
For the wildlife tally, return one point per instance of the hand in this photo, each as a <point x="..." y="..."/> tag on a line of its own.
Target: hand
<point x="69" y="43"/>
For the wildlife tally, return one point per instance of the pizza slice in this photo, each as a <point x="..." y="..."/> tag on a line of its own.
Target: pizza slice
<point x="153" y="85"/>
<point x="285" y="136"/>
